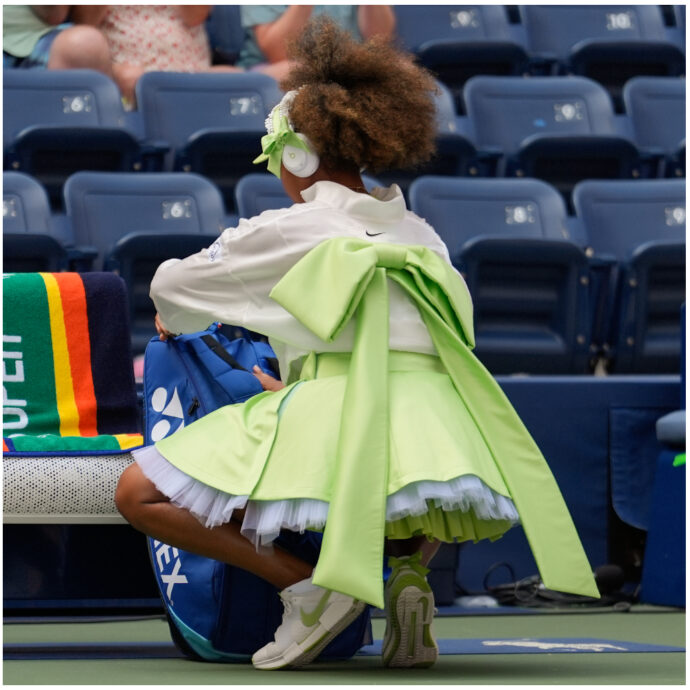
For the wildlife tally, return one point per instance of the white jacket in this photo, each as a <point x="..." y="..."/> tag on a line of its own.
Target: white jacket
<point x="230" y="281"/>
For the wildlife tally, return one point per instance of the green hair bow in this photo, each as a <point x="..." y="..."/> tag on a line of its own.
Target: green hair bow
<point x="273" y="143"/>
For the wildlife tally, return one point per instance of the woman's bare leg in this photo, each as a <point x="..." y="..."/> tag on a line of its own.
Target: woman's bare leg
<point x="406" y="547"/>
<point x="150" y="511"/>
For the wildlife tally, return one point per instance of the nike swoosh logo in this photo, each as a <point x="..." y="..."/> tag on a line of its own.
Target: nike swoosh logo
<point x="310" y="619"/>
<point x="373" y="234"/>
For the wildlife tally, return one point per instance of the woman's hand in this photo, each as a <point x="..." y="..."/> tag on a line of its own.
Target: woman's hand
<point x="163" y="333"/>
<point x="267" y="381"/>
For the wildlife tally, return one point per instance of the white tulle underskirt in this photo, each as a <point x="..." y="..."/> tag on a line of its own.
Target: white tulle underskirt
<point x="263" y="520"/>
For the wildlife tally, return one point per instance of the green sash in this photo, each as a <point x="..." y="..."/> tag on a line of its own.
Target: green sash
<point x="344" y="276"/>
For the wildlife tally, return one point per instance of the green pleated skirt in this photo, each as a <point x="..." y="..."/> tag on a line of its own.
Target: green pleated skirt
<point x="276" y="456"/>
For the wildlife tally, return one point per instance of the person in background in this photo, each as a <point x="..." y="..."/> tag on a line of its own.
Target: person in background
<point x="42" y="36"/>
<point x="146" y="38"/>
<point x="270" y="28"/>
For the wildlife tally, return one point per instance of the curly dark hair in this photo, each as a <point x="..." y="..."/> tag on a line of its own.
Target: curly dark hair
<point x="361" y="104"/>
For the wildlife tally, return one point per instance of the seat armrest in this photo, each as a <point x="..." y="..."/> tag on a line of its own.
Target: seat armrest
<point x="81" y="258"/>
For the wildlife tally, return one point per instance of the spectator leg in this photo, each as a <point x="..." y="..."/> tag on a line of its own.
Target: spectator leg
<point x="80" y="47"/>
<point x="126" y="75"/>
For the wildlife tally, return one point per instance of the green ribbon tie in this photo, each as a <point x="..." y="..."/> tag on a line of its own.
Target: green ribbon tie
<point x="273" y="144"/>
<point x="346" y="277"/>
<point x="414" y="561"/>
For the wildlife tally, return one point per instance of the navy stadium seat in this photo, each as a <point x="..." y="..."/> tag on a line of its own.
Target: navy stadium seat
<point x="675" y="165"/>
<point x="28" y="241"/>
<point x="558" y="129"/>
<point x="25" y="206"/>
<point x="528" y="280"/>
<point x="257" y="192"/>
<point x="674" y="24"/>
<point x="656" y="108"/>
<point x="213" y="122"/>
<point x="136" y="221"/>
<point x="679" y="23"/>
<point x="457" y="42"/>
<point x="225" y="34"/>
<point x="639" y="226"/>
<point x="57" y="122"/>
<point x="607" y="43"/>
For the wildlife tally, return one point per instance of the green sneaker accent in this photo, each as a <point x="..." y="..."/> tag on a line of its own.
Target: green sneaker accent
<point x="311" y="619"/>
<point x="414" y="561"/>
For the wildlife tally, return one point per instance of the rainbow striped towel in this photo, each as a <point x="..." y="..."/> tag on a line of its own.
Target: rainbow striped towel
<point x="68" y="382"/>
<point x="47" y="444"/>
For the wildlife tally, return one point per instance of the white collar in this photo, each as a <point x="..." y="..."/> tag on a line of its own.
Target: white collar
<point x="383" y="205"/>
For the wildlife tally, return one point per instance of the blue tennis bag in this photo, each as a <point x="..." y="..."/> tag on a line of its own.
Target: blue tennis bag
<point x="217" y="612"/>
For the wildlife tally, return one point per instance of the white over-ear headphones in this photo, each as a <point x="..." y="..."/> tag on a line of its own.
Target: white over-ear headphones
<point x="298" y="161"/>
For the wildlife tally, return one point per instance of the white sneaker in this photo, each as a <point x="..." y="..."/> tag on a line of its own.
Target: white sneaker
<point x="313" y="617"/>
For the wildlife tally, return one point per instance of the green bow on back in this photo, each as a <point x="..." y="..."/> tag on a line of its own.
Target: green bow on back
<point x="272" y="144"/>
<point x="346" y="277"/>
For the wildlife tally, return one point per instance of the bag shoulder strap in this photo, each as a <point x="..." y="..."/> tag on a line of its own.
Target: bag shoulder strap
<point x="210" y="353"/>
<point x="221" y="352"/>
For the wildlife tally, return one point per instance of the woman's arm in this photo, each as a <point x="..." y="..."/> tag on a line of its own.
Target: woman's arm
<point x="225" y="282"/>
<point x="193" y="15"/>
<point x="376" y="20"/>
<point x="273" y="38"/>
<point x="190" y="294"/>
<point x="88" y="14"/>
<point x="51" y="14"/>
